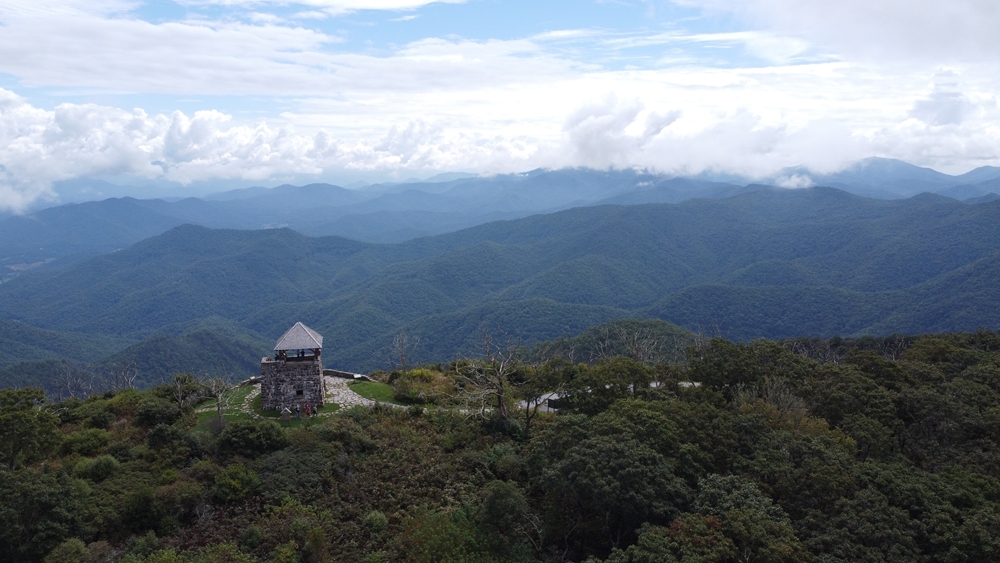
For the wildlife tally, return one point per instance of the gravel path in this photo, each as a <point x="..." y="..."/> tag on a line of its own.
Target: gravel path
<point x="247" y="405"/>
<point x="338" y="392"/>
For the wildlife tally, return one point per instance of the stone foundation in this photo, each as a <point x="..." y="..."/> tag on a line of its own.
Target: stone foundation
<point x="287" y="383"/>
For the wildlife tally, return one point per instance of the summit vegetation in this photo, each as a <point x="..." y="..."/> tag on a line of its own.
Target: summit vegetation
<point x="861" y="450"/>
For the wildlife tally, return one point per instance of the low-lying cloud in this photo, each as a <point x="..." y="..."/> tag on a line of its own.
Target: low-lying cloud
<point x="811" y="96"/>
<point x="39" y="147"/>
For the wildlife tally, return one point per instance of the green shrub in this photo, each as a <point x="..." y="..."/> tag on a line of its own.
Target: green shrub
<point x="85" y="442"/>
<point x="294" y="473"/>
<point x="97" y="469"/>
<point x="251" y="537"/>
<point x="376" y="521"/>
<point x="101" y="419"/>
<point x="163" y="435"/>
<point x="69" y="551"/>
<point x="125" y="402"/>
<point x="122" y="451"/>
<point x="347" y="432"/>
<point x="93" y="412"/>
<point x="235" y="483"/>
<point x="314" y="550"/>
<point x="252" y="438"/>
<point x="143" y="545"/>
<point x="286" y="553"/>
<point x="153" y="411"/>
<point x="423" y="386"/>
<point x="166" y="556"/>
<point x="434" y="537"/>
<point x="141" y="511"/>
<point x="224" y="553"/>
<point x="205" y="471"/>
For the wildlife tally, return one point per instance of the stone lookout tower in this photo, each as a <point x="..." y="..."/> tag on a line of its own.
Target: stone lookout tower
<point x="295" y="375"/>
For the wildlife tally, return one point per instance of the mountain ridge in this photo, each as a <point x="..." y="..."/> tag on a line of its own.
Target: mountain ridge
<point x="768" y="263"/>
<point x="388" y="213"/>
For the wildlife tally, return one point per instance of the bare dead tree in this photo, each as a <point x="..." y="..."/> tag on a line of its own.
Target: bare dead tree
<point x="219" y="388"/>
<point x="75" y="382"/>
<point x="185" y="389"/>
<point x="488" y="379"/>
<point x="640" y="344"/>
<point x="399" y="353"/>
<point x="604" y="345"/>
<point x="205" y="513"/>
<point x="892" y="348"/>
<point x="799" y="346"/>
<point x="402" y="348"/>
<point x="829" y="353"/>
<point x="701" y="340"/>
<point x="122" y="375"/>
<point x="816" y="349"/>
<point x="571" y="353"/>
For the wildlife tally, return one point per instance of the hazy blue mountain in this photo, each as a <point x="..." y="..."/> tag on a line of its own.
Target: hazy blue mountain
<point x="239" y="193"/>
<point x="85" y="228"/>
<point x="288" y="197"/>
<point x="966" y="192"/>
<point x="381" y="213"/>
<point x="892" y="179"/>
<point x="979" y="175"/>
<point x="887" y="171"/>
<point x="676" y="190"/>
<point x="766" y="263"/>
<point x="447" y="177"/>
<point x="389" y="213"/>
<point x="984" y="198"/>
<point x="79" y="190"/>
<point x="397" y="226"/>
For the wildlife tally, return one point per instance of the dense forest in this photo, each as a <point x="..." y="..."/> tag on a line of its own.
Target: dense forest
<point x="872" y="449"/>
<point x="771" y="263"/>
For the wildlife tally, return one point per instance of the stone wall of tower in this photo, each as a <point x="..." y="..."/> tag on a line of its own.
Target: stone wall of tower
<point x="291" y="383"/>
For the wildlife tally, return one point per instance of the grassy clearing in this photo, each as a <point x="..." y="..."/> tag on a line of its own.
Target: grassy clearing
<point x="234" y="412"/>
<point x="381" y="392"/>
<point x="230" y="415"/>
<point x="374" y="391"/>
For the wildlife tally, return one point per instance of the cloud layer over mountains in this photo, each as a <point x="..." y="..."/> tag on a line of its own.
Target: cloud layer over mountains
<point x="271" y="91"/>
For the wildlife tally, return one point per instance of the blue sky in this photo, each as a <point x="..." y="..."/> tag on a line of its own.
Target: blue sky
<point x="255" y="92"/>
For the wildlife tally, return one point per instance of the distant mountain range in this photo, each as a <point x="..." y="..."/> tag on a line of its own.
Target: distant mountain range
<point x="388" y="213"/>
<point x="769" y="263"/>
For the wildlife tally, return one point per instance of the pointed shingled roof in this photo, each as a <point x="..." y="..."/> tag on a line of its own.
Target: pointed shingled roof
<point x="299" y="337"/>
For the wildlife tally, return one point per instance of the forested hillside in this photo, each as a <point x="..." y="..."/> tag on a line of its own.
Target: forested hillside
<point x="866" y="450"/>
<point x="777" y="264"/>
<point x="378" y="213"/>
<point x="399" y="212"/>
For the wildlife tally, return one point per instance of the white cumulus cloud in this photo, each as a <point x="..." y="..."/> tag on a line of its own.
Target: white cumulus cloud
<point x="332" y="6"/>
<point x="38" y="147"/>
<point x="816" y="97"/>
<point x="903" y="30"/>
